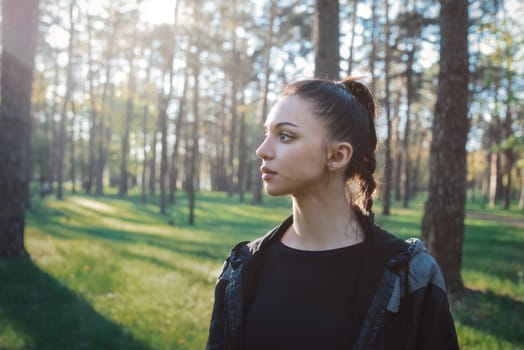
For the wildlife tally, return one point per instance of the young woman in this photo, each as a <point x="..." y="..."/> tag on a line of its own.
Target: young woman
<point x="327" y="277"/>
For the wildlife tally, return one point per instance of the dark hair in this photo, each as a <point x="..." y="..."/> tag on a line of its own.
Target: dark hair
<point x="348" y="109"/>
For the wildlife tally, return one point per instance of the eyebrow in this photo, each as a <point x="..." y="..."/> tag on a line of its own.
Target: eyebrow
<point x="278" y="125"/>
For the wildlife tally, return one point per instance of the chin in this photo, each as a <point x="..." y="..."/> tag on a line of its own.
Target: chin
<point x="274" y="192"/>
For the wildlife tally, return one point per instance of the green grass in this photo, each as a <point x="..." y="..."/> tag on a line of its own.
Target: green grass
<point x="490" y="313"/>
<point x="112" y="273"/>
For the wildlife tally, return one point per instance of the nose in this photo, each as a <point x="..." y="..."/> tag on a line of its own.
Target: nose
<point x="264" y="151"/>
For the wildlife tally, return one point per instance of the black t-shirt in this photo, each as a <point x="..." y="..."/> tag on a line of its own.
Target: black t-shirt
<point x="309" y="299"/>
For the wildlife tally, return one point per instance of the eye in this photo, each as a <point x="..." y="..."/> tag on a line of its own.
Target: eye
<point x="284" y="136"/>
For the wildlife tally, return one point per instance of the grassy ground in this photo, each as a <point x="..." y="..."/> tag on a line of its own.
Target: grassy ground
<point x="110" y="273"/>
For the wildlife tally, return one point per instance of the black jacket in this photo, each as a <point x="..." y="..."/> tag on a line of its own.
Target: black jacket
<point x="402" y="313"/>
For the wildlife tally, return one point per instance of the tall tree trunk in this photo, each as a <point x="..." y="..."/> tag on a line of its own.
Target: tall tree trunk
<point x="19" y="36"/>
<point x="179" y="125"/>
<point x="102" y="129"/>
<point x="194" y="142"/>
<point x="406" y="154"/>
<point x="494" y="162"/>
<point x="443" y="222"/>
<point x="326" y="39"/>
<point x="388" y="161"/>
<point x="163" y="103"/>
<point x="508" y="151"/>
<point x="242" y="161"/>
<point x="521" y="200"/>
<point x="262" y="107"/>
<point x="122" y="188"/>
<point x="69" y="81"/>
<point x="221" y="166"/>
<point x="145" y="114"/>
<point x="72" y="151"/>
<point x="53" y="145"/>
<point x="93" y="163"/>
<point x="416" y="169"/>
<point x="373" y="53"/>
<point x="485" y="178"/>
<point x="233" y="128"/>
<point x="353" y="33"/>
<point x="397" y="164"/>
<point x="152" y="164"/>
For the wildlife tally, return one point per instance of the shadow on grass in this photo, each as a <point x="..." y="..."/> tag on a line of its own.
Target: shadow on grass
<point x="233" y="223"/>
<point x="493" y="249"/>
<point x="59" y="224"/>
<point x="490" y="313"/>
<point x="53" y="317"/>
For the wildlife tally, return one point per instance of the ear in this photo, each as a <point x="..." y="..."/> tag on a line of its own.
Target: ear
<point x="339" y="156"/>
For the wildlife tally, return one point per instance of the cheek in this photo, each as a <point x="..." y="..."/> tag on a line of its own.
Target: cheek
<point x="307" y="159"/>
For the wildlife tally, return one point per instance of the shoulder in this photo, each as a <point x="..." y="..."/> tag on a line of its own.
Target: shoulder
<point x="423" y="268"/>
<point x="386" y="245"/>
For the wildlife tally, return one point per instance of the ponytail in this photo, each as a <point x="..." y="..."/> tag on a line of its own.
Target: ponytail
<point x="365" y="163"/>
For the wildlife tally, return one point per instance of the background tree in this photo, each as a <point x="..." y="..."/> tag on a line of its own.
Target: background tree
<point x="19" y="36"/>
<point x="67" y="100"/>
<point x="263" y="104"/>
<point x="444" y="211"/>
<point x="326" y="39"/>
<point x="249" y="50"/>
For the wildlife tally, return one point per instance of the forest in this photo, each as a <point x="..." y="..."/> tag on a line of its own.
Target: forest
<point x="166" y="101"/>
<point x="163" y="96"/>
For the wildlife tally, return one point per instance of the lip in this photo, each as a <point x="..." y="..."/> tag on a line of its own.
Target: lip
<point x="267" y="174"/>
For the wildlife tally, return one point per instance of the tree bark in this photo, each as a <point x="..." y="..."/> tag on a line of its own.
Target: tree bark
<point x="152" y="164"/>
<point x="145" y="114"/>
<point x="388" y="161"/>
<point x="521" y="200"/>
<point x="69" y="80"/>
<point x="443" y="222"/>
<point x="262" y="106"/>
<point x="122" y="186"/>
<point x="163" y="103"/>
<point x="194" y="142"/>
<point x="179" y="125"/>
<point x="242" y="161"/>
<point x="508" y="151"/>
<point x="353" y="33"/>
<point x="326" y="39"/>
<point x="406" y="154"/>
<point x="234" y="115"/>
<point x="397" y="164"/>
<point x="19" y="36"/>
<point x="93" y="164"/>
<point x="72" y="148"/>
<point x="102" y="129"/>
<point x="494" y="162"/>
<point x="373" y="53"/>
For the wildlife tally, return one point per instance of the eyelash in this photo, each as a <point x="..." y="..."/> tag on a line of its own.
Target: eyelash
<point x="284" y="136"/>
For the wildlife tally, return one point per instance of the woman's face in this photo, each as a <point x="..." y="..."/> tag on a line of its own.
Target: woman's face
<point x="295" y="149"/>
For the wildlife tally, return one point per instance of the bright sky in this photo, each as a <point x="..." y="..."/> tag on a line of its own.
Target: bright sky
<point x="158" y="11"/>
<point x="152" y="12"/>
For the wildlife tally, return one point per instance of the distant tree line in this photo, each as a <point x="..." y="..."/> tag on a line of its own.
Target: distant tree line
<point x="116" y="103"/>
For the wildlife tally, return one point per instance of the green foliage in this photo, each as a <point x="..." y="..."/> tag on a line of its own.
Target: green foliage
<point x="111" y="273"/>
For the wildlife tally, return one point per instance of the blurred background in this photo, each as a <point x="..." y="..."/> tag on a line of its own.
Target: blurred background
<point x="128" y="167"/>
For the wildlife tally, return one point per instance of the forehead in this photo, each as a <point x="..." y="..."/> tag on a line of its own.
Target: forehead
<point x="293" y="109"/>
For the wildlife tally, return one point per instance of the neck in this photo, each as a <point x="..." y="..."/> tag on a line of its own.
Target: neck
<point x="323" y="221"/>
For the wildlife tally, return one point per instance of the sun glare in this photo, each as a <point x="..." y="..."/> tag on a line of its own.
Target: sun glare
<point x="158" y="11"/>
<point x="57" y="37"/>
